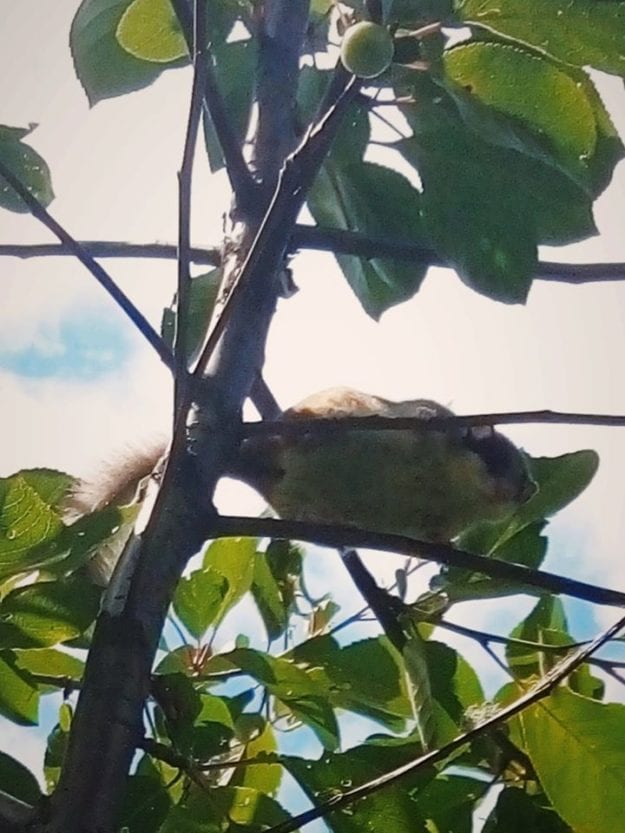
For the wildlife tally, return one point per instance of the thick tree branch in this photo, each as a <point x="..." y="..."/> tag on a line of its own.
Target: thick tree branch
<point x="544" y="687"/>
<point x="106" y="728"/>
<point x="101" y="276"/>
<point x="330" y="535"/>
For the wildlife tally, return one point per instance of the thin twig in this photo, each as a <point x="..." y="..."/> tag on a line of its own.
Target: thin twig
<point x="362" y="245"/>
<point x="185" y="176"/>
<point x="111" y="249"/>
<point x="334" y="535"/>
<point x="324" y="426"/>
<point x="237" y="171"/>
<point x="102" y="277"/>
<point x="558" y="673"/>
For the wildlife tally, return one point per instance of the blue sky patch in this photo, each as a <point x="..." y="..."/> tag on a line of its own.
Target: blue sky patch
<point x="84" y="346"/>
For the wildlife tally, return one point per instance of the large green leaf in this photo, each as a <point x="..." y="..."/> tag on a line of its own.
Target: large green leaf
<point x="18" y="781"/>
<point x="19" y="698"/>
<point x="377" y="201"/>
<point x="29" y="520"/>
<point x="232" y="558"/>
<point x="47" y="613"/>
<point x="559" y="480"/>
<point x="343" y="675"/>
<point x="199" y="598"/>
<point x="268" y="598"/>
<point x="149" y="30"/>
<point x="579" y="32"/>
<point x="576" y="746"/>
<point x="27" y="165"/>
<point x="537" y="92"/>
<point x="543" y="624"/>
<point x="103" y="67"/>
<point x="51" y="663"/>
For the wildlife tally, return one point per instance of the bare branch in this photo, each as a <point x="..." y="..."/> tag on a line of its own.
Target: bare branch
<point x="331" y="535"/>
<point x="238" y="173"/>
<point x="544" y="687"/>
<point x="324" y="426"/>
<point x="110" y="249"/>
<point x="183" y="297"/>
<point x="102" y="277"/>
<point x="340" y="241"/>
<point x="15" y="815"/>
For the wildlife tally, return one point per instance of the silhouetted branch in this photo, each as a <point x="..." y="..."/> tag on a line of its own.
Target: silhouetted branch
<point x="331" y="535"/>
<point x="102" y="277"/>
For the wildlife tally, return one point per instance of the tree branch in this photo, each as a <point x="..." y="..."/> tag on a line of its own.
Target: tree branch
<point x="238" y="173"/>
<point x="15" y="815"/>
<point x="183" y="295"/>
<point x="544" y="687"/>
<point x="333" y="426"/>
<point x="101" y="276"/>
<point x="340" y="241"/>
<point x="331" y="535"/>
<point x="111" y="249"/>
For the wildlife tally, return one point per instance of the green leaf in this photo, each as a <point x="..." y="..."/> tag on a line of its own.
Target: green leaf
<point x="51" y="663"/>
<point x="374" y="200"/>
<point x="29" y="520"/>
<point x="149" y="30"/>
<point x="224" y="809"/>
<point x="537" y="92"/>
<point x="579" y="32"/>
<point x="395" y="808"/>
<point x="146" y="805"/>
<point x="344" y="676"/>
<point x="26" y="165"/>
<point x="559" y="479"/>
<point x="294" y="687"/>
<point x="202" y="296"/>
<point x="198" y="600"/>
<point x="268" y="598"/>
<point x="54" y="755"/>
<point x="545" y="623"/>
<point x="232" y="558"/>
<point x="234" y="68"/>
<point x="264" y="777"/>
<point x="47" y="613"/>
<point x="574" y="742"/>
<point x="18" y="781"/>
<point x="518" y="812"/>
<point x="19" y="699"/>
<point x="418" y="674"/>
<point x="455" y="688"/>
<point x="103" y="67"/>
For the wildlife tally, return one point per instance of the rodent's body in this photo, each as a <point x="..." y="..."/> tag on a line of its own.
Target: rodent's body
<point x="426" y="483"/>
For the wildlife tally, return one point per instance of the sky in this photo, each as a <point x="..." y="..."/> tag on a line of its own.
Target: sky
<point x="79" y="386"/>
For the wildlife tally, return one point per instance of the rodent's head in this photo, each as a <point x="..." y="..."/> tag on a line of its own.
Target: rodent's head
<point x="505" y="463"/>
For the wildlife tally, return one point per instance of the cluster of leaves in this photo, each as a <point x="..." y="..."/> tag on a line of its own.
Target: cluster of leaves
<point x="510" y="142"/>
<point x="216" y="715"/>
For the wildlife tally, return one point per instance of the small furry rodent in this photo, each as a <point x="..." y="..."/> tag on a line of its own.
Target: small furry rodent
<point x="430" y="484"/>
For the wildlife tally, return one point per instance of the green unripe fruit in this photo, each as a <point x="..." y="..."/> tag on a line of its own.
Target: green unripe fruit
<point x="367" y="49"/>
